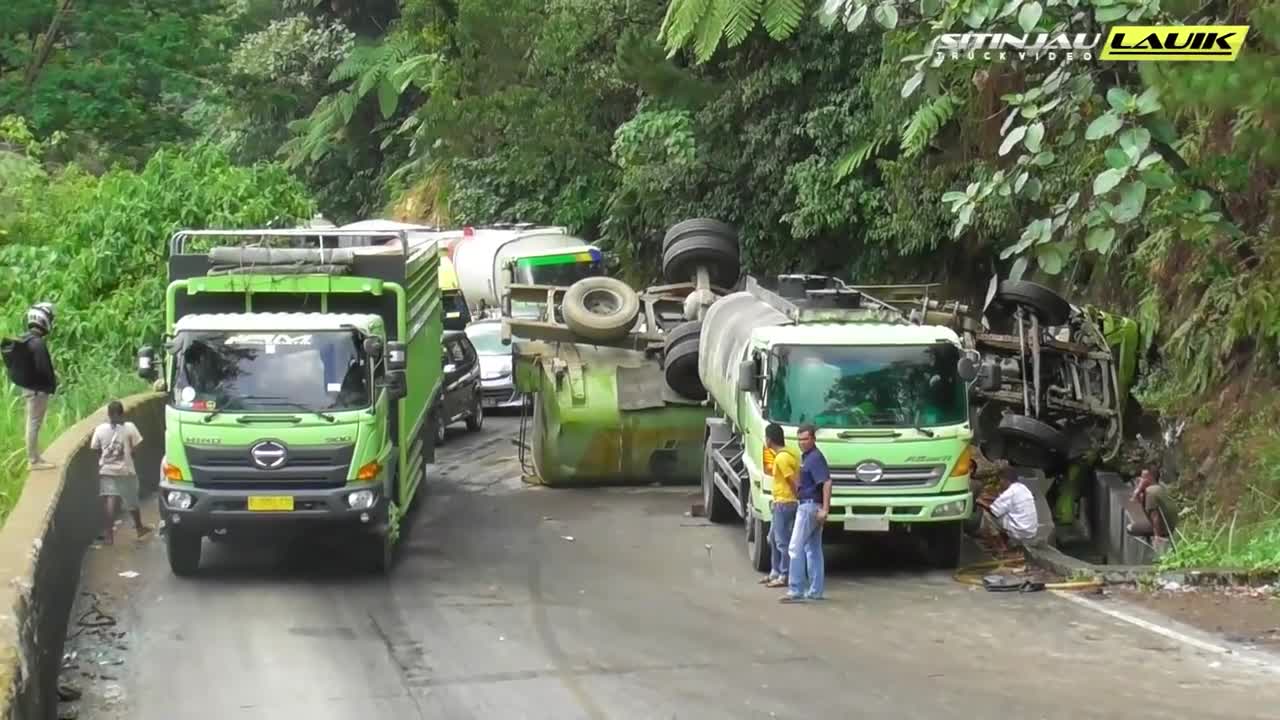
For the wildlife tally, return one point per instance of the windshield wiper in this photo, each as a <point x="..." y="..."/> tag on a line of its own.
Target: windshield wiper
<point x="924" y="431"/>
<point x="296" y="405"/>
<point x="214" y="414"/>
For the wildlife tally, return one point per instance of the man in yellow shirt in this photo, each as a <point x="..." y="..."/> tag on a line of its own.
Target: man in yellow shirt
<point x="781" y="463"/>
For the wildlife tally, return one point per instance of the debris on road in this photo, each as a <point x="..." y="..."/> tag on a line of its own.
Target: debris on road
<point x="567" y="537"/>
<point x="129" y="574"/>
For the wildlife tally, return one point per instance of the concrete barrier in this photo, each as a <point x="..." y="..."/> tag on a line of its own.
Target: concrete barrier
<point x="42" y="544"/>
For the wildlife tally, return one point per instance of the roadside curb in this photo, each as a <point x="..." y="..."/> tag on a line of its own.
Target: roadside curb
<point x="1056" y="561"/>
<point x="42" y="544"/>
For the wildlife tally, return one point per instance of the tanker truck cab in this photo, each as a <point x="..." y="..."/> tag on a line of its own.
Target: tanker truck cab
<point x="890" y="399"/>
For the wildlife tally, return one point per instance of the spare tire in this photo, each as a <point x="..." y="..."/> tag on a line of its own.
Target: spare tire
<point x="1050" y="307"/>
<point x="698" y="227"/>
<point x="1030" y="430"/>
<point x="600" y="308"/>
<point x="680" y="360"/>
<point x="718" y="254"/>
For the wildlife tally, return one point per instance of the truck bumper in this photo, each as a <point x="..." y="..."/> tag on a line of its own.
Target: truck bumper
<point x="211" y="509"/>
<point x="856" y="513"/>
<point x="870" y="513"/>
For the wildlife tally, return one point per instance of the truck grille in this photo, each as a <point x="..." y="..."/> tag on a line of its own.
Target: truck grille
<point x="306" y="467"/>
<point x="896" y="476"/>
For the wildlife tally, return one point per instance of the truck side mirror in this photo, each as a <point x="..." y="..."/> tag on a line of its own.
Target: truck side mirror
<point x="747" y="376"/>
<point x="395" y="385"/>
<point x="967" y="368"/>
<point x="373" y="347"/>
<point x="147" y="363"/>
<point x="397" y="356"/>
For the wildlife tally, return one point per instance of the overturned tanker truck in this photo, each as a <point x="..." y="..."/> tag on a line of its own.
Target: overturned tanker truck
<point x="610" y="374"/>
<point x="898" y="383"/>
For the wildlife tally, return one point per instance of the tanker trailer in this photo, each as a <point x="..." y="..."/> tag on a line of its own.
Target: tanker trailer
<point x="610" y="374"/>
<point x="889" y="397"/>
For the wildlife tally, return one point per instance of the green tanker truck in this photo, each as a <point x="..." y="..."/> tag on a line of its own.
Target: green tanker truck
<point x="898" y="383"/>
<point x="610" y="374"/>
<point x="298" y="380"/>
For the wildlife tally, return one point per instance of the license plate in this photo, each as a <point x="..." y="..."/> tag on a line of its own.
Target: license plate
<point x="489" y="402"/>
<point x="868" y="523"/>
<point x="263" y="503"/>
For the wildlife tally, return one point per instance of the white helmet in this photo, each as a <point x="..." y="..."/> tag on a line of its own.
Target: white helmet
<point x="41" y="316"/>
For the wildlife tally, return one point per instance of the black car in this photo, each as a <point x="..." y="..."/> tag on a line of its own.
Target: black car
<point x="461" y="398"/>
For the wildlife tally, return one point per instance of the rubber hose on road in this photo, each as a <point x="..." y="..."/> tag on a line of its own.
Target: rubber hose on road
<point x="972" y="575"/>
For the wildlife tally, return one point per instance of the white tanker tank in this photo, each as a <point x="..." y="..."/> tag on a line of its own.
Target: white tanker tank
<point x="727" y="330"/>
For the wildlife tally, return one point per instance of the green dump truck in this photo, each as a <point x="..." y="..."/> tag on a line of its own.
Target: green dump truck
<point x="299" y="379"/>
<point x="606" y="370"/>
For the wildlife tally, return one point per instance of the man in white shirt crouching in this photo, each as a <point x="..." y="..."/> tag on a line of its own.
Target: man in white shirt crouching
<point x="1012" y="515"/>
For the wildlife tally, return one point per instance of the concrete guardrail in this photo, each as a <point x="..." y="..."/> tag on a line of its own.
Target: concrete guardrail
<point x="42" y="544"/>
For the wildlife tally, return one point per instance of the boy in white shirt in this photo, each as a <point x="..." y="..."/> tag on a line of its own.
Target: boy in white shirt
<point x="115" y="441"/>
<point x="1012" y="515"/>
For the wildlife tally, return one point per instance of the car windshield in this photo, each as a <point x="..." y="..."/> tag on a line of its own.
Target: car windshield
<point x="235" y="371"/>
<point x="883" y="386"/>
<point x="487" y="339"/>
<point x="558" y="270"/>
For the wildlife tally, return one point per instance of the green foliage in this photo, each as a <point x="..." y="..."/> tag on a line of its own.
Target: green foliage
<point x="121" y="74"/>
<point x="96" y="246"/>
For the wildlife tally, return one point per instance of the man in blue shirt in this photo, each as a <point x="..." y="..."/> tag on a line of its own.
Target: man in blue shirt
<point x="814" y="494"/>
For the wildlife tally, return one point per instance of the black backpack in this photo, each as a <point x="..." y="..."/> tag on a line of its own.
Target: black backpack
<point x="17" y="360"/>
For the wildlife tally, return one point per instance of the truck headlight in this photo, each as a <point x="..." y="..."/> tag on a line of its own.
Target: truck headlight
<point x="178" y="500"/>
<point x="360" y="500"/>
<point x="955" y="507"/>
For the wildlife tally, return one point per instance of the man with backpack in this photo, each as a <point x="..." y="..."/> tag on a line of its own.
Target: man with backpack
<point x="30" y="367"/>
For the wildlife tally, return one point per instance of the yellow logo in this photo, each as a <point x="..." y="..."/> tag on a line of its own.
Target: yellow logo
<point x="1148" y="43"/>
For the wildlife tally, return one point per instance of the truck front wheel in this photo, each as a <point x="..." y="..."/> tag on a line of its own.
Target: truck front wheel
<point x="758" y="549"/>
<point x="944" y="542"/>
<point x="184" y="551"/>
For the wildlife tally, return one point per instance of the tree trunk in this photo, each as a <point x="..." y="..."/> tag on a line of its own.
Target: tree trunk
<point x="46" y="44"/>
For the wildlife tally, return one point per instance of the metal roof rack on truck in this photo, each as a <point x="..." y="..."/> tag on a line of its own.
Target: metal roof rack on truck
<point x="178" y="242"/>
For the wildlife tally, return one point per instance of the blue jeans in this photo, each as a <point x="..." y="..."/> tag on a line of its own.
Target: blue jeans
<point x="784" y="519"/>
<point x="806" y="553"/>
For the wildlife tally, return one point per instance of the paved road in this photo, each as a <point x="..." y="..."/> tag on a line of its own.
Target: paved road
<point x="645" y="613"/>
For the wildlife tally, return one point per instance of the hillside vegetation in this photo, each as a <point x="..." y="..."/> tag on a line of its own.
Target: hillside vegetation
<point x="826" y="131"/>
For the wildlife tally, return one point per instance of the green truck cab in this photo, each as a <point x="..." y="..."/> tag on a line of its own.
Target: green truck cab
<point x="889" y="397"/>
<point x="298" y="384"/>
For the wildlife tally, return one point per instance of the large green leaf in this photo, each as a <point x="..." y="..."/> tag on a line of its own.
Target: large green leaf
<point x="1157" y="179"/>
<point x="1106" y="181"/>
<point x="1050" y="258"/>
<point x="1132" y="197"/>
<point x="1134" y="142"/>
<point x="1012" y="139"/>
<point x="1149" y="101"/>
<point x="388" y="97"/>
<point x="1099" y="239"/>
<point x="1119" y="99"/>
<point x="1111" y="14"/>
<point x="887" y="15"/>
<point x="1029" y="16"/>
<point x="1116" y="158"/>
<point x="1105" y="125"/>
<point x="1035" y="134"/>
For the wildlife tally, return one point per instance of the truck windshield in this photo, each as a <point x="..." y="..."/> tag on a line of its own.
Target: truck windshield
<point x="558" y="270"/>
<point x="235" y="371"/>
<point x="882" y="386"/>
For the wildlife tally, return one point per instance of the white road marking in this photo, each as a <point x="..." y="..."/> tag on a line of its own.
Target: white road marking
<point x="1250" y="658"/>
